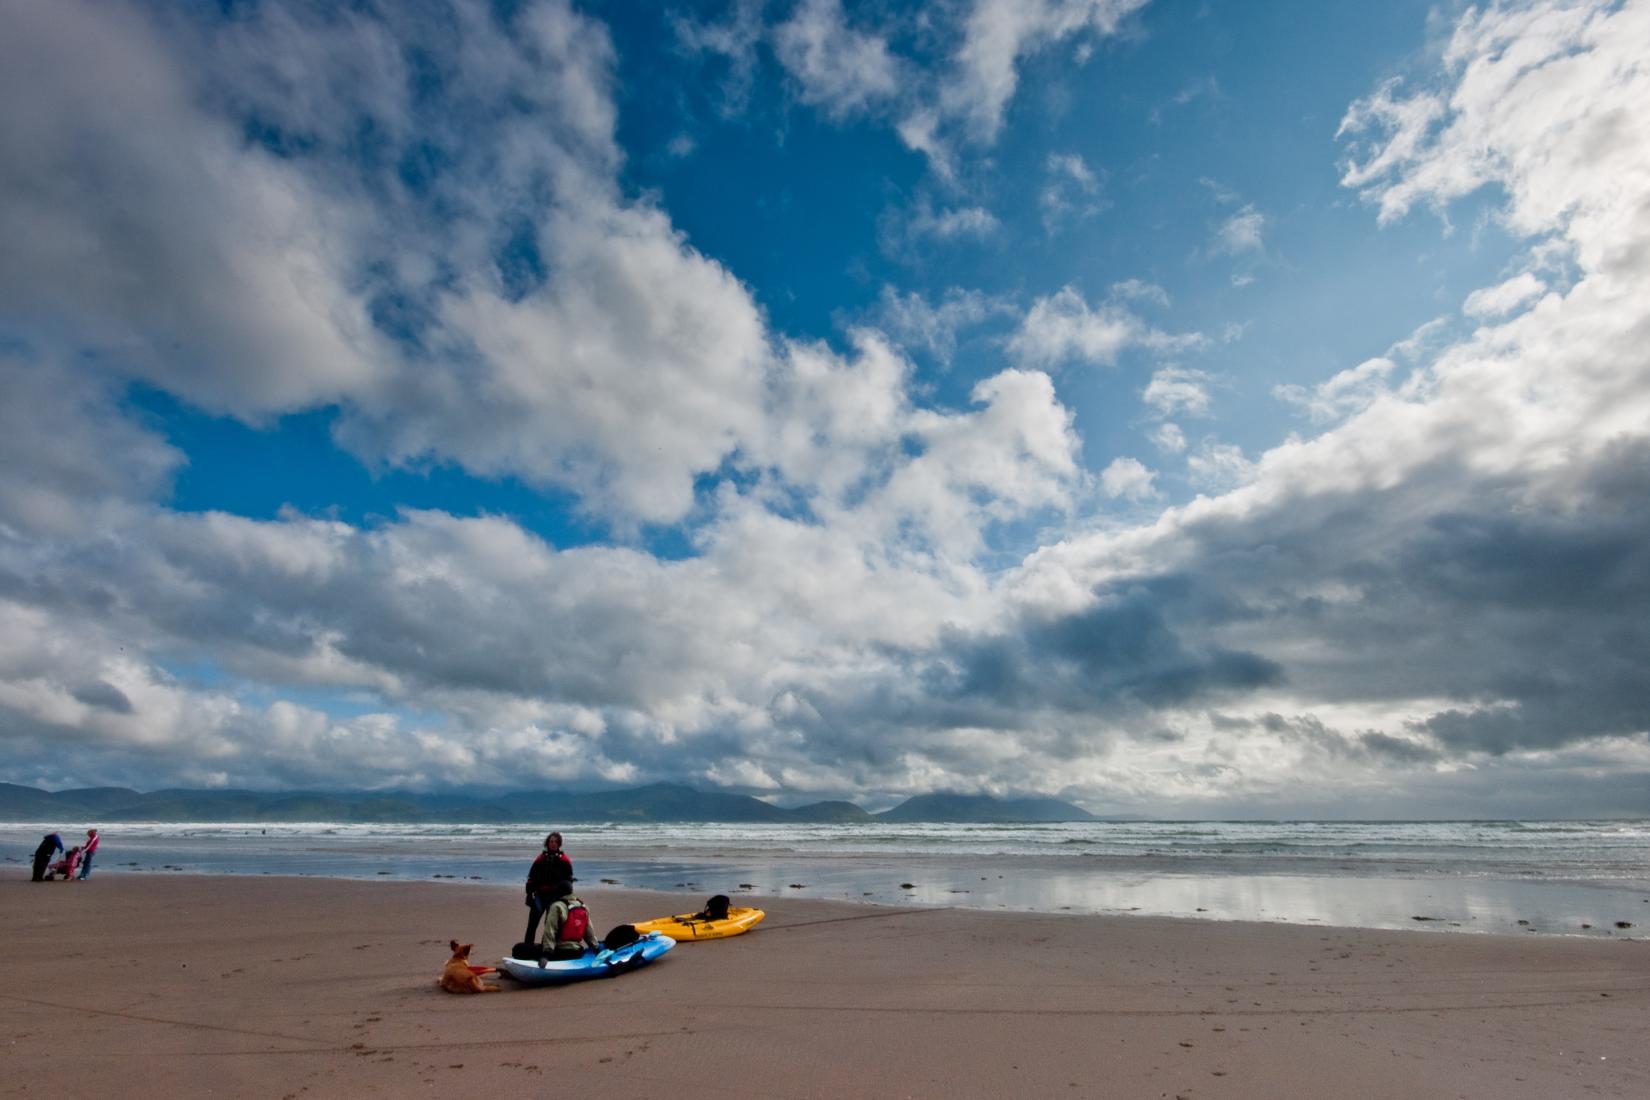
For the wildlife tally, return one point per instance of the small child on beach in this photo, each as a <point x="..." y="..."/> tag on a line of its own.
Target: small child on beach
<point x="68" y="866"/>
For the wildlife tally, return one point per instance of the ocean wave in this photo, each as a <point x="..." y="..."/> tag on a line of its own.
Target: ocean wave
<point x="1567" y="849"/>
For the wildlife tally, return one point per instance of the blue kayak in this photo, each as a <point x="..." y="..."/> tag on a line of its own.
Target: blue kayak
<point x="592" y="964"/>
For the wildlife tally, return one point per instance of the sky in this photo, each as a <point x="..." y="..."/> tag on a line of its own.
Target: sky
<point x="1182" y="408"/>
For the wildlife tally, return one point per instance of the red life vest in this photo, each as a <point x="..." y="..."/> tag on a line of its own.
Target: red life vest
<point x="575" y="926"/>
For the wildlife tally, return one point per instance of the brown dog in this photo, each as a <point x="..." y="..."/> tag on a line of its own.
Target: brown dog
<point x="457" y="977"/>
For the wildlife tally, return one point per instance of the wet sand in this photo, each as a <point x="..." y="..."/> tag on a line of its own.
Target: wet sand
<point x="1481" y="896"/>
<point x="181" y="986"/>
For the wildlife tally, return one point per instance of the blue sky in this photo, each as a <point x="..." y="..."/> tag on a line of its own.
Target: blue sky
<point x="1181" y="408"/>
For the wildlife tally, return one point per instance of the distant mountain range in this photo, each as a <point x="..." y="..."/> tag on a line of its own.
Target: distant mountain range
<point x="983" y="808"/>
<point x="659" y="802"/>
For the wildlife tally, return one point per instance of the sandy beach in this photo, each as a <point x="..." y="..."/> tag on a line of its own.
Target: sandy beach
<point x="182" y="986"/>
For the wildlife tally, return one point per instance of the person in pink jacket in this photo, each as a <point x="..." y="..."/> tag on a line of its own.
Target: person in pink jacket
<point x="87" y="851"/>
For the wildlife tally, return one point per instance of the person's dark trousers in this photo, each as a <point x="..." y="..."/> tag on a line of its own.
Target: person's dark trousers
<point x="86" y="865"/>
<point x="535" y="913"/>
<point x="40" y="862"/>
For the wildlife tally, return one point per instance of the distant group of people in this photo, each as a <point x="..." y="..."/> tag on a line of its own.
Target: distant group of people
<point x="75" y="863"/>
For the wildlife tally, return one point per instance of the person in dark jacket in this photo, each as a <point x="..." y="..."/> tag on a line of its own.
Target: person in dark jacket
<point x="43" y="855"/>
<point x="550" y="877"/>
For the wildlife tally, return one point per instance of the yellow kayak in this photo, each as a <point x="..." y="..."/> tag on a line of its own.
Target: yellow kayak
<point x="693" y="926"/>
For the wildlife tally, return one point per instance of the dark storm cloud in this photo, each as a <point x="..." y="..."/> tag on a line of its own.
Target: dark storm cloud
<point x="1371" y="745"/>
<point x="1396" y="749"/>
<point x="104" y="695"/>
<point x="1531" y="616"/>
<point x="1121" y="653"/>
<point x="1563" y="564"/>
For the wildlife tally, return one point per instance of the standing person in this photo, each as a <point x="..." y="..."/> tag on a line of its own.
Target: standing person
<point x="550" y="877"/>
<point x="87" y="851"/>
<point x="43" y="856"/>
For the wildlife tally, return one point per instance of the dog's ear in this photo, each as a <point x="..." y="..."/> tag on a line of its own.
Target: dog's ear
<point x="465" y="949"/>
<point x="452" y="945"/>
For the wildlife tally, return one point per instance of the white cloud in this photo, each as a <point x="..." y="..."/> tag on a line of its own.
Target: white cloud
<point x="1141" y="291"/>
<point x="1178" y="391"/>
<point x="1014" y="455"/>
<point x="953" y="224"/>
<point x="836" y="413"/>
<point x="919" y="129"/>
<point x="1071" y="192"/>
<point x="1169" y="438"/>
<point x="1496" y="120"/>
<point x="1420" y="343"/>
<point x="1128" y="478"/>
<point x="1241" y="233"/>
<point x="1206" y="86"/>
<point x="1219" y="191"/>
<point x="950" y="94"/>
<point x="734" y="42"/>
<point x="998" y="33"/>
<point x="1347" y="392"/>
<point x="68" y="452"/>
<point x="192" y="261"/>
<point x="1072" y="167"/>
<point x="1064" y="327"/>
<point x="635" y="336"/>
<point x="575" y="664"/>
<point x="246" y="282"/>
<point x="625" y="365"/>
<point x="838" y="68"/>
<point x="1496" y="301"/>
<point x="910" y="319"/>
<point x="1404" y="125"/>
<point x="1219" y="467"/>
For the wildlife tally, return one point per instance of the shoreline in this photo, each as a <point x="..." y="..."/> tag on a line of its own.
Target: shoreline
<point x="308" y="987"/>
<point x="1321" y="895"/>
<point x="687" y="899"/>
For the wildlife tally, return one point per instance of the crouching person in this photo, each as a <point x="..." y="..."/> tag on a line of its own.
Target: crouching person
<point x="43" y="855"/>
<point x="567" y="931"/>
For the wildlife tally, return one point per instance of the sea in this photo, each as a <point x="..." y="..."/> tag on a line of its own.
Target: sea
<point x="1571" y="878"/>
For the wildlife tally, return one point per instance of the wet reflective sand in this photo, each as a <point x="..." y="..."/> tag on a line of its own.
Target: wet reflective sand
<point x="1369" y="895"/>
